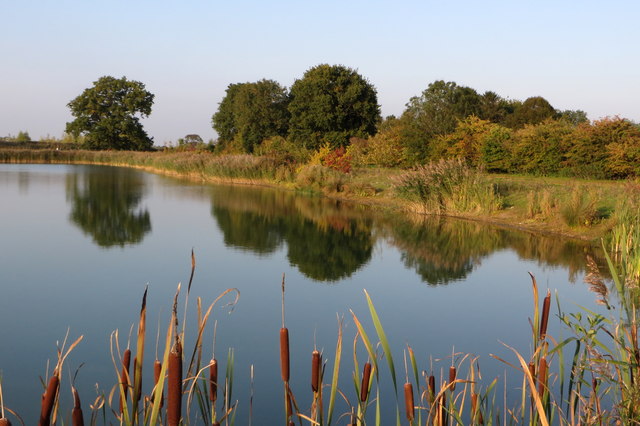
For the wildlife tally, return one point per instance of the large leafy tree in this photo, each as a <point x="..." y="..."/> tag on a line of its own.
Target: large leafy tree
<point x="533" y="110"/>
<point x="435" y="113"/>
<point x="332" y="103"/>
<point x="252" y="112"/>
<point x="109" y="113"/>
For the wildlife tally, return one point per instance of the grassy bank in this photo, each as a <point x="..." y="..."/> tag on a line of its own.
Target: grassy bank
<point x="585" y="209"/>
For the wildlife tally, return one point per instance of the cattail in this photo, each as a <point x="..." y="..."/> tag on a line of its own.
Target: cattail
<point x="174" y="385"/>
<point x="544" y="320"/>
<point x="4" y="422"/>
<point x="594" y="384"/>
<point x="157" y="369"/>
<point x="532" y="369"/>
<point x="542" y="373"/>
<point x="364" y="386"/>
<point x="284" y="353"/>
<point x="76" y="414"/>
<point x="124" y="376"/>
<point x="452" y="377"/>
<point x="48" y="400"/>
<point x="476" y="416"/>
<point x="137" y="380"/>
<point x="315" y="370"/>
<point x="213" y="380"/>
<point x="408" y="401"/>
<point x="432" y="388"/>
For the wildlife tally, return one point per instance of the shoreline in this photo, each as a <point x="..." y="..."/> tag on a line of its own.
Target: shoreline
<point x="503" y="218"/>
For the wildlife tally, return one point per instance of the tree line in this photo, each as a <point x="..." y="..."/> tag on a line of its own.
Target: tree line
<point x="334" y="108"/>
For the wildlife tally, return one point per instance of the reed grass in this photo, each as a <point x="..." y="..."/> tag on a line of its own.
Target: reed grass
<point x="449" y="187"/>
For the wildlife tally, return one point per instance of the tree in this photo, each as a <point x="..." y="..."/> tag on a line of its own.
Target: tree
<point x="109" y="113"/>
<point x="252" y="112"/>
<point x="533" y="110"/>
<point x="435" y="113"/>
<point x="332" y="103"/>
<point x="23" y="136"/>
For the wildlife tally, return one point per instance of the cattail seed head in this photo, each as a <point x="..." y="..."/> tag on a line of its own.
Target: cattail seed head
<point x="174" y="386"/>
<point x="5" y="422"/>
<point x="213" y="380"/>
<point x="452" y="377"/>
<point x="408" y="401"/>
<point x="315" y="370"/>
<point x="542" y="376"/>
<point x="432" y="388"/>
<point x="124" y="376"/>
<point x="544" y="319"/>
<point x="48" y="400"/>
<point x="157" y="369"/>
<point x="284" y="354"/>
<point x="364" y="386"/>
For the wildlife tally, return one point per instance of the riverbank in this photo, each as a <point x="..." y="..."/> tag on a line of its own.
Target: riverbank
<point x="583" y="209"/>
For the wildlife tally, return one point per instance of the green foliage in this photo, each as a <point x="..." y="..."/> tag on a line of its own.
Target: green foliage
<point x="109" y="115"/>
<point x="332" y="103"/>
<point x="23" y="136"/>
<point x="533" y="110"/>
<point x="384" y="149"/>
<point x="579" y="209"/>
<point x="539" y="149"/>
<point x="436" y="113"/>
<point x="494" y="151"/>
<point x="252" y="112"/>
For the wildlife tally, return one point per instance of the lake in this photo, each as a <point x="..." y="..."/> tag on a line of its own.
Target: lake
<point x="80" y="243"/>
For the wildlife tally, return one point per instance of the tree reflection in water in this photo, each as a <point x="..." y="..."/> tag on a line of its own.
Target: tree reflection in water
<point x="105" y="205"/>
<point x="328" y="240"/>
<point x="325" y="240"/>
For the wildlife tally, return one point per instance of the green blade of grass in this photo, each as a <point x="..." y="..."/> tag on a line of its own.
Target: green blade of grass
<point x="336" y="374"/>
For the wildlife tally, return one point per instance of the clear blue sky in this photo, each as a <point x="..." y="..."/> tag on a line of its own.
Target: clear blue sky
<point x="576" y="54"/>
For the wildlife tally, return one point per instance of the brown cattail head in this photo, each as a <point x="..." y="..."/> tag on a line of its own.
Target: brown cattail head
<point x="284" y="354"/>
<point x="532" y="370"/>
<point x="76" y="414"/>
<point x="315" y="370"/>
<point x="544" y="319"/>
<point x="157" y="369"/>
<point x="408" y="401"/>
<point x="4" y="422"/>
<point x="476" y="416"/>
<point x="174" y="386"/>
<point x="542" y="376"/>
<point x="48" y="400"/>
<point x="137" y="380"/>
<point x="364" y="386"/>
<point x="432" y="388"/>
<point x="124" y="375"/>
<point x="213" y="380"/>
<point x="452" y="377"/>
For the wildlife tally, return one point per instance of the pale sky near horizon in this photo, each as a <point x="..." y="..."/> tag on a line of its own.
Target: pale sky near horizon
<point x="576" y="54"/>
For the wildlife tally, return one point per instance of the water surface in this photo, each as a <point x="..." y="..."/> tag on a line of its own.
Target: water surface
<point x="80" y="243"/>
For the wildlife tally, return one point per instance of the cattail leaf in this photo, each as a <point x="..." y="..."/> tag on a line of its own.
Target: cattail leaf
<point x="336" y="374"/>
<point x="366" y="341"/>
<point x="384" y="341"/>
<point x="157" y="392"/>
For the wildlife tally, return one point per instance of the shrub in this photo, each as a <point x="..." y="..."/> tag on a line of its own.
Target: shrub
<point x="338" y="159"/>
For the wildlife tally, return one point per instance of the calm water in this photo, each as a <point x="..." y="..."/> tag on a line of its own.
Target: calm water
<point x="80" y="243"/>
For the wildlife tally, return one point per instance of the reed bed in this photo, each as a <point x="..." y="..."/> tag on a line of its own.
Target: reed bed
<point x="597" y="385"/>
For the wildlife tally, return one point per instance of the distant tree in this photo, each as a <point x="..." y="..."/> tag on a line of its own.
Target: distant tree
<point x="332" y="103"/>
<point x="252" y="112"/>
<point x="495" y="108"/>
<point x="574" y="117"/>
<point x="23" y="137"/>
<point x="435" y="113"/>
<point x="193" y="139"/>
<point x="533" y="110"/>
<point x="109" y="114"/>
